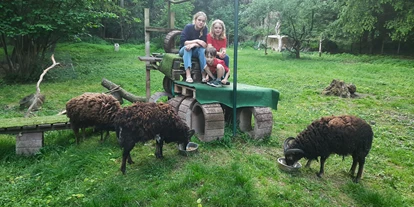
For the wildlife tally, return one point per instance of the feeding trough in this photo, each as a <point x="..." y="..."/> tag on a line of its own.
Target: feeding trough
<point x="283" y="166"/>
<point x="190" y="149"/>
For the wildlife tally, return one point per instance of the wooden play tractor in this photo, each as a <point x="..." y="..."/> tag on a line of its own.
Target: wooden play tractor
<point x="206" y="109"/>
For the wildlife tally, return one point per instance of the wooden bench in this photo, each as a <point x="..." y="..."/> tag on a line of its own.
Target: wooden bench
<point x="30" y="131"/>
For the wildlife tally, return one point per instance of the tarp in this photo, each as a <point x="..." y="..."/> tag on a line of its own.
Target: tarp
<point x="247" y="95"/>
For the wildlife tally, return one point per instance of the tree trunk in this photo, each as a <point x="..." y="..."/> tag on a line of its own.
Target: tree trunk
<point x="120" y="93"/>
<point x="320" y="47"/>
<point x="399" y="46"/>
<point x="352" y="47"/>
<point x="297" y="46"/>
<point x="10" y="64"/>
<point x="371" y="43"/>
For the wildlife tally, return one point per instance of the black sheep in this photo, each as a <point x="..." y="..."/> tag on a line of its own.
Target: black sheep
<point x="92" y="110"/>
<point x="342" y="135"/>
<point x="142" y="122"/>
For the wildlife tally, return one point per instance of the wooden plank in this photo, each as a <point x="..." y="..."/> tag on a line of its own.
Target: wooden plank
<point x="43" y="126"/>
<point x="158" y="29"/>
<point x="21" y="121"/>
<point x="29" y="128"/>
<point x="153" y="59"/>
<point x="185" y="91"/>
<point x="35" y="128"/>
<point x="60" y="126"/>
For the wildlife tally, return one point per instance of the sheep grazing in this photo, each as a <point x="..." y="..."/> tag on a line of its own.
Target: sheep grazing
<point x="92" y="109"/>
<point x="342" y="135"/>
<point x="142" y="122"/>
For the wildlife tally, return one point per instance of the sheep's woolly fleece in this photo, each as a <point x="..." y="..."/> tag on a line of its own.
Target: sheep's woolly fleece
<point x="151" y="119"/>
<point x="91" y="109"/>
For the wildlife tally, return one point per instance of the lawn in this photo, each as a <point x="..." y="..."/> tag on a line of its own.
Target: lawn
<point x="235" y="171"/>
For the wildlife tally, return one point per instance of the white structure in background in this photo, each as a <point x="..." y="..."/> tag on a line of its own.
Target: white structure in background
<point x="277" y="28"/>
<point x="116" y="46"/>
<point x="277" y="42"/>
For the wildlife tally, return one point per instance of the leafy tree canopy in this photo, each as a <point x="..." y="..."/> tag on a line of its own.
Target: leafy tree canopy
<point x="32" y="26"/>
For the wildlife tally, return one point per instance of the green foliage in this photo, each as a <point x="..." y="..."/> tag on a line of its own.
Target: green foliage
<point x="379" y="19"/>
<point x="235" y="171"/>
<point x="254" y="15"/>
<point x="32" y="27"/>
<point x="402" y="25"/>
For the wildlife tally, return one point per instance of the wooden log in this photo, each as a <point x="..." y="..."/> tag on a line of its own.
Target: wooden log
<point x="117" y="91"/>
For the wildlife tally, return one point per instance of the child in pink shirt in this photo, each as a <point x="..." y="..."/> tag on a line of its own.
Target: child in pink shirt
<point x="217" y="38"/>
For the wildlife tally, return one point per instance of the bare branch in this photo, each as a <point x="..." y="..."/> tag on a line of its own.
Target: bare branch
<point x="36" y="96"/>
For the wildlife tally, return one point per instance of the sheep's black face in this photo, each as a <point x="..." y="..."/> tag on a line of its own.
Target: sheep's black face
<point x="293" y="155"/>
<point x="190" y="133"/>
<point x="290" y="160"/>
<point x="186" y="138"/>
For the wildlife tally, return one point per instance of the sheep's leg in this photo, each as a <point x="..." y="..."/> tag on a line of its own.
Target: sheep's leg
<point x="76" y="132"/>
<point x="354" y="164"/>
<point x="83" y="133"/>
<point x="130" y="160"/>
<point x="126" y="155"/>
<point x="360" y="169"/>
<point x="158" y="146"/>
<point x="158" y="149"/>
<point x="308" y="163"/>
<point x="322" y="168"/>
<point x="106" y="136"/>
<point x="101" y="133"/>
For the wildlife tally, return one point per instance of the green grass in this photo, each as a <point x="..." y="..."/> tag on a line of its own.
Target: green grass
<point x="235" y="171"/>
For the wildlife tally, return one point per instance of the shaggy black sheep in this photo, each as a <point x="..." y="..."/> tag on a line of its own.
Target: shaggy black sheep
<point x="342" y="135"/>
<point x="92" y="110"/>
<point x="142" y="122"/>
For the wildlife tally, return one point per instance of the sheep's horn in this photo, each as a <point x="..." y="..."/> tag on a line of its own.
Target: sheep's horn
<point x="294" y="151"/>
<point x="190" y="133"/>
<point x="285" y="145"/>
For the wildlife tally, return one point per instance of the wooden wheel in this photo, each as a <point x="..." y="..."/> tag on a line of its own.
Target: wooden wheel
<point x="175" y="102"/>
<point x="167" y="84"/>
<point x="172" y="41"/>
<point x="184" y="110"/>
<point x="263" y="121"/>
<point x="208" y="121"/>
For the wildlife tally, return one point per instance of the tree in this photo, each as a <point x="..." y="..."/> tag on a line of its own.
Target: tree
<point x="126" y="25"/>
<point x="376" y="19"/>
<point x="30" y="27"/>
<point x="258" y="18"/>
<point x="303" y="21"/>
<point x="402" y="26"/>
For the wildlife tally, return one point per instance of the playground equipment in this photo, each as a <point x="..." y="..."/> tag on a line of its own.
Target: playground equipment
<point x="204" y="108"/>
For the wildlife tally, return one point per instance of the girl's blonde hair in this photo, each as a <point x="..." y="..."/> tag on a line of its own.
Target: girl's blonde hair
<point x="223" y="33"/>
<point x="195" y="17"/>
